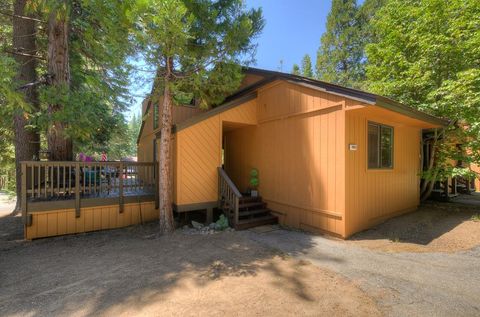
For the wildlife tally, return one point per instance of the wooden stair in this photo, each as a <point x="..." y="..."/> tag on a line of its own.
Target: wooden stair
<point x="253" y="212"/>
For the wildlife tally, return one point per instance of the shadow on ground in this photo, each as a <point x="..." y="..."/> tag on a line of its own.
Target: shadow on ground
<point x="11" y="229"/>
<point x="110" y="271"/>
<point x="432" y="221"/>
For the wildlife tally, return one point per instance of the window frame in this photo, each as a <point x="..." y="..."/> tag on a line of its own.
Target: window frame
<point x="379" y="149"/>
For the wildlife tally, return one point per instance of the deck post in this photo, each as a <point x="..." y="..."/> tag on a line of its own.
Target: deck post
<point x="209" y="215"/>
<point x="23" y="202"/>
<point x="235" y="214"/>
<point x="120" y="194"/>
<point x="77" y="189"/>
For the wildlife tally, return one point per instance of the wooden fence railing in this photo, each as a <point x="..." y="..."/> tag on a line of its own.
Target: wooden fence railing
<point x="229" y="196"/>
<point x="48" y="184"/>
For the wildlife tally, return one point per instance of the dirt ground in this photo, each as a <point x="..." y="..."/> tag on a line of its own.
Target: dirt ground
<point x="272" y="272"/>
<point x="435" y="227"/>
<point x="132" y="272"/>
<point x="7" y="204"/>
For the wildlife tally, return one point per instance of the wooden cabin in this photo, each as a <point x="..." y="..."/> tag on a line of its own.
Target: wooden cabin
<point x="329" y="159"/>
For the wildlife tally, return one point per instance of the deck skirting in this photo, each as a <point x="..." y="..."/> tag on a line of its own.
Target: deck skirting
<point x="51" y="223"/>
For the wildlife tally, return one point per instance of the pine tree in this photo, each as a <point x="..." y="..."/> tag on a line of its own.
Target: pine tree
<point x="296" y="70"/>
<point x="197" y="46"/>
<point x="340" y="53"/>
<point x="307" y="66"/>
<point x="367" y="34"/>
<point x="27" y="141"/>
<point x="60" y="145"/>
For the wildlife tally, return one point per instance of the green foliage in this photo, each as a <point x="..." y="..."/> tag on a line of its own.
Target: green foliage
<point x="207" y="41"/>
<point x="99" y="47"/>
<point x="222" y="223"/>
<point x="427" y="56"/>
<point x="254" y="178"/>
<point x="122" y="141"/>
<point x="296" y="70"/>
<point x="339" y="58"/>
<point x="307" y="66"/>
<point x="476" y="218"/>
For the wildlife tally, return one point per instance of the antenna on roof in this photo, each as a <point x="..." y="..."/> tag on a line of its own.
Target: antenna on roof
<point x="280" y="66"/>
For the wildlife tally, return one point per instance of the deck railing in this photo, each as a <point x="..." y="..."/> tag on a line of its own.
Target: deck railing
<point x="229" y="196"/>
<point x="48" y="184"/>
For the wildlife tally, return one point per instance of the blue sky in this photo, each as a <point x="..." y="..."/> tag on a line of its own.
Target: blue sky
<point x="293" y="28"/>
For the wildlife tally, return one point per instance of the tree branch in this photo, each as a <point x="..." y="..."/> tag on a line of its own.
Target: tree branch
<point x="21" y="17"/>
<point x="44" y="80"/>
<point x="25" y="54"/>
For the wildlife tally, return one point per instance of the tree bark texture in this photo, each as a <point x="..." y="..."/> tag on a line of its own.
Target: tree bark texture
<point x="60" y="145"/>
<point x="165" y="175"/>
<point x="27" y="141"/>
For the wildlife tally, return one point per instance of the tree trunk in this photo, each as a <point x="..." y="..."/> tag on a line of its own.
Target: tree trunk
<point x="59" y="144"/>
<point x="27" y="141"/>
<point x="428" y="191"/>
<point x="165" y="186"/>
<point x="430" y="162"/>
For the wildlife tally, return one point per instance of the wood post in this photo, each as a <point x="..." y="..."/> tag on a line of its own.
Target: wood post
<point x="24" y="195"/>
<point x="77" y="189"/>
<point x="209" y="215"/>
<point x="235" y="215"/>
<point x="120" y="194"/>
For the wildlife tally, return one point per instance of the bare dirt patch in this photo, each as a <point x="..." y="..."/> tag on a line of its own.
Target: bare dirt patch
<point x="130" y="272"/>
<point x="7" y="204"/>
<point x="434" y="227"/>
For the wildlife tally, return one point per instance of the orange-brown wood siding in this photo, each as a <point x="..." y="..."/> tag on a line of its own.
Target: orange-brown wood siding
<point x="297" y="147"/>
<point x="198" y="154"/>
<point x="375" y="195"/>
<point x="60" y="222"/>
<point x="298" y="138"/>
<point x="145" y="144"/>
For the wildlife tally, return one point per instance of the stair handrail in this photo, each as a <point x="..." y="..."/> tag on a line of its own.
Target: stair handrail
<point x="228" y="191"/>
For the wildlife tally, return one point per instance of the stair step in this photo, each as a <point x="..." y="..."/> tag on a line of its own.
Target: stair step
<point x="245" y="199"/>
<point x="243" y="213"/>
<point x="258" y="204"/>
<point x="255" y="222"/>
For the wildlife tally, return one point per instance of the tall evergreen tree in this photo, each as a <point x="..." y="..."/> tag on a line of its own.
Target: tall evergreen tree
<point x="84" y="100"/>
<point x="196" y="46"/>
<point x="26" y="140"/>
<point x="296" y="69"/>
<point x="367" y="34"/>
<point x="60" y="145"/>
<point x="307" y="70"/>
<point x="340" y="53"/>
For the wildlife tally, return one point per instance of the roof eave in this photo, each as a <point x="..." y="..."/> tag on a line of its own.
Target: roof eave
<point x="409" y="111"/>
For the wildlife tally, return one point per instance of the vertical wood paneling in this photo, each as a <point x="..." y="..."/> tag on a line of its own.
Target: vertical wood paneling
<point x="198" y="154"/>
<point x="374" y="195"/>
<point x="60" y="222"/>
<point x="298" y="149"/>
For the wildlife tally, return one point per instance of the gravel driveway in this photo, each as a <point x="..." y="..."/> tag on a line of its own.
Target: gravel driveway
<point x="404" y="284"/>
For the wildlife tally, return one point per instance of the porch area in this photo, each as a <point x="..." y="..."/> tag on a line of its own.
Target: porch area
<point x="73" y="197"/>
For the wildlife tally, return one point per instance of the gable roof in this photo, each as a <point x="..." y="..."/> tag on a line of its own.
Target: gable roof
<point x="269" y="76"/>
<point x="351" y="93"/>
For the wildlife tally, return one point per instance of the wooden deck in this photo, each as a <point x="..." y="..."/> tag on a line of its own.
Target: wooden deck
<point x="48" y="186"/>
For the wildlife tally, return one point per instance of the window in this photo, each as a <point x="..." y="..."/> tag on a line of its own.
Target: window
<point x="155" y="115"/>
<point x="380" y="146"/>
